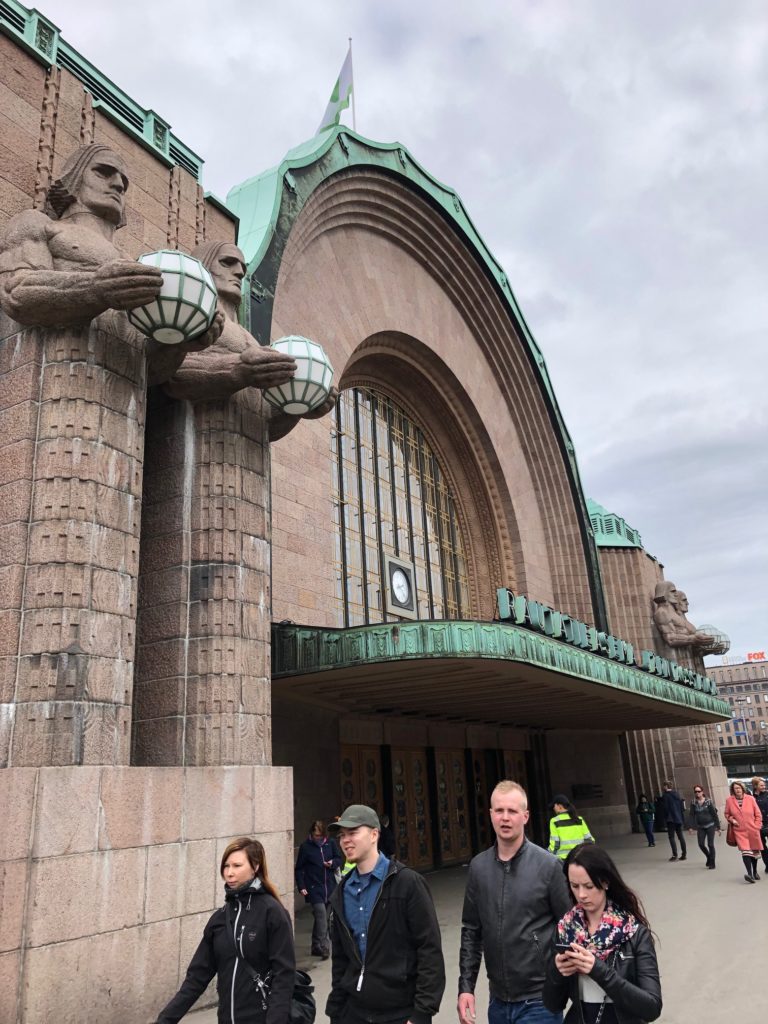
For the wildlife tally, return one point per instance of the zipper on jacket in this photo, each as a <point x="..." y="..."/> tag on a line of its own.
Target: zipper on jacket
<point x="343" y="924"/>
<point x="234" y="971"/>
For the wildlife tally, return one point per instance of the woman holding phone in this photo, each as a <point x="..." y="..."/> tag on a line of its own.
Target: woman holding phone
<point x="604" y="959"/>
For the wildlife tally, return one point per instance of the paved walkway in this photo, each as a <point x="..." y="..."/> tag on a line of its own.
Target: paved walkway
<point x="711" y="925"/>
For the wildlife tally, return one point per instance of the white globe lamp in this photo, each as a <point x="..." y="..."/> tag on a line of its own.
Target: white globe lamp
<point x="187" y="301"/>
<point x="720" y="641"/>
<point x="311" y="384"/>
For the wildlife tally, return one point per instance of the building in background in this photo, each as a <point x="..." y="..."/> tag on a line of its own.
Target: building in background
<point x="744" y="740"/>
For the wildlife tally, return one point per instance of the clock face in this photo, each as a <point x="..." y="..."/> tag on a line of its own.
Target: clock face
<point x="401" y="586"/>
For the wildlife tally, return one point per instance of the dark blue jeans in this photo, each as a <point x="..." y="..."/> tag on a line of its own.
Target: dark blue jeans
<point x="648" y="826"/>
<point x="529" y="1011"/>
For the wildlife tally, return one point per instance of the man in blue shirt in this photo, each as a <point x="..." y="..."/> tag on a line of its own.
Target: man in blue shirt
<point x="387" y="957"/>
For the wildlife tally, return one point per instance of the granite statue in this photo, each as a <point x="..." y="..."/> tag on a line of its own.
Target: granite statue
<point x="669" y="615"/>
<point x="236" y="361"/>
<point x="59" y="266"/>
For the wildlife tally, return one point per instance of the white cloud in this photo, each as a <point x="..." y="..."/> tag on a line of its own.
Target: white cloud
<point x="613" y="157"/>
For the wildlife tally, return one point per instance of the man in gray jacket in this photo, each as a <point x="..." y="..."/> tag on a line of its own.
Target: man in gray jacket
<point x="516" y="894"/>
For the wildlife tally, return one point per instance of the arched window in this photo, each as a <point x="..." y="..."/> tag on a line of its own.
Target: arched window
<point x="391" y="497"/>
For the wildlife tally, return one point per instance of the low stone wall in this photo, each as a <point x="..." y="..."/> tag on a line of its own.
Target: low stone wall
<point x="108" y="875"/>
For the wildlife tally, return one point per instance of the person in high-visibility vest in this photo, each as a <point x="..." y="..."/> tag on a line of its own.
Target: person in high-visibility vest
<point x="566" y="828"/>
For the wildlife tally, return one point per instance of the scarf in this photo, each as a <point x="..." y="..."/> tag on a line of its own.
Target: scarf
<point x="616" y="926"/>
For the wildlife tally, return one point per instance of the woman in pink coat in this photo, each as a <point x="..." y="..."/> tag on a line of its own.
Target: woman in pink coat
<point x="742" y="812"/>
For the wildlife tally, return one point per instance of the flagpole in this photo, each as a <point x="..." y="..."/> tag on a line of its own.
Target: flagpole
<point x="354" y="123"/>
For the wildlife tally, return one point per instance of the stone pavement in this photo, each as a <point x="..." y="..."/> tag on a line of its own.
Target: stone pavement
<point x="712" y="927"/>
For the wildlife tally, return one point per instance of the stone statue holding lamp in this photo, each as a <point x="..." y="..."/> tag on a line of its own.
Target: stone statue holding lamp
<point x="237" y="361"/>
<point x="59" y="266"/>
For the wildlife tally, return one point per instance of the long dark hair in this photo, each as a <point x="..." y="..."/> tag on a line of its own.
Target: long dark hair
<point x="570" y="810"/>
<point x="257" y="858"/>
<point x="605" y="875"/>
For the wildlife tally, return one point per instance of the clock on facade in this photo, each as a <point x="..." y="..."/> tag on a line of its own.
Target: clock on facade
<point x="401" y="586"/>
<point x="400" y="590"/>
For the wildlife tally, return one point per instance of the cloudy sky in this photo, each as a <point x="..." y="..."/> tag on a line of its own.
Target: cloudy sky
<point x="612" y="154"/>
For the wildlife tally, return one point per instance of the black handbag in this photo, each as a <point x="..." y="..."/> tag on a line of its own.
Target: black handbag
<point x="302" y="1009"/>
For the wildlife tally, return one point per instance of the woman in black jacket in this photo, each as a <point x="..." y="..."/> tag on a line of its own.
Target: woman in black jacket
<point x="706" y="821"/>
<point x="247" y="944"/>
<point x="316" y="865"/>
<point x="604" y="959"/>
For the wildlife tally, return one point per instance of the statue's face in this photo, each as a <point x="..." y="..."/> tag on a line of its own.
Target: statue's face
<point x="228" y="271"/>
<point x="682" y="601"/>
<point x="103" y="186"/>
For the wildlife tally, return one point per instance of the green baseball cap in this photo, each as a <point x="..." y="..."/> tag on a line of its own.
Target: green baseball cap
<point x="355" y="816"/>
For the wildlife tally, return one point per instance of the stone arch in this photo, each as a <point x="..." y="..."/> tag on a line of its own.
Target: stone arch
<point x="378" y="274"/>
<point x="414" y="377"/>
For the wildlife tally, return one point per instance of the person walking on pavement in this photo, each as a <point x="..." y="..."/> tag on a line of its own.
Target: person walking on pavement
<point x="742" y="812"/>
<point x="704" y="818"/>
<point x="516" y="893"/>
<point x="387" y="959"/>
<point x="316" y="866"/>
<point x="604" y="959"/>
<point x="760" y="793"/>
<point x="672" y="803"/>
<point x="566" y="829"/>
<point x="247" y="944"/>
<point x="646" y="814"/>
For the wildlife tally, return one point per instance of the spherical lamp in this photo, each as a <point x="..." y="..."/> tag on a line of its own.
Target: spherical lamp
<point x="720" y="641"/>
<point x="187" y="301"/>
<point x="311" y="384"/>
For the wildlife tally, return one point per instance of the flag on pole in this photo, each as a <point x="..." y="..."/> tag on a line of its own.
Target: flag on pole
<point x="341" y="95"/>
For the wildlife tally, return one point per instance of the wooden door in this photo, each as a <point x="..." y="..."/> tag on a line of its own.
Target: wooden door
<point x="452" y="807"/>
<point x="514" y="767"/>
<point x="361" y="777"/>
<point x="481" y="800"/>
<point x="411" y="812"/>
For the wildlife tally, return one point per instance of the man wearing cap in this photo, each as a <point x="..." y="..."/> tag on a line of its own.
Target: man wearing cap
<point x="387" y="957"/>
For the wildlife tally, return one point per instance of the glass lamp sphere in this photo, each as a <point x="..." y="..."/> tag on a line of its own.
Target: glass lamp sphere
<point x="720" y="640"/>
<point x="311" y="384"/>
<point x="187" y="301"/>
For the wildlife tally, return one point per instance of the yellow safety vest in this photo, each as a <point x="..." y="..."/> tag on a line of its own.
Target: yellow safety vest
<point x="564" y="835"/>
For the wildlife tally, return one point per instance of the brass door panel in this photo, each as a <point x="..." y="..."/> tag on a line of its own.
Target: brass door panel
<point x="411" y="817"/>
<point x="361" y="777"/>
<point x="453" y="807"/>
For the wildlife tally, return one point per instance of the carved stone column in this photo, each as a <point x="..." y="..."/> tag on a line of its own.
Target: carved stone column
<point x="71" y="437"/>
<point x="203" y="680"/>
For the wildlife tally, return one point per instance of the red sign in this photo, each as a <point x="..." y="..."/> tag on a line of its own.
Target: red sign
<point x="756" y="656"/>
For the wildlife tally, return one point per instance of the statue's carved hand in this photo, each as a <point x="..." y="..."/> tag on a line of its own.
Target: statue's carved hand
<point x="125" y="284"/>
<point x="265" y="367"/>
<point x="325" y="408"/>
<point x="207" y="338"/>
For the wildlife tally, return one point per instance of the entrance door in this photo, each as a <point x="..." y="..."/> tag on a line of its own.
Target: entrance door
<point x="513" y="762"/>
<point x="482" y="785"/>
<point x="411" y="812"/>
<point x="361" y="777"/>
<point x="452" y="807"/>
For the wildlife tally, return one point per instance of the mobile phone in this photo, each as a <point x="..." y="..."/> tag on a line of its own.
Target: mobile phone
<point x="563" y="947"/>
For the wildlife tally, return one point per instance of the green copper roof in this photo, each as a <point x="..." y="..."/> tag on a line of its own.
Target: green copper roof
<point x="42" y="39"/>
<point x="482" y="671"/>
<point x="611" y="531"/>
<point x="269" y="204"/>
